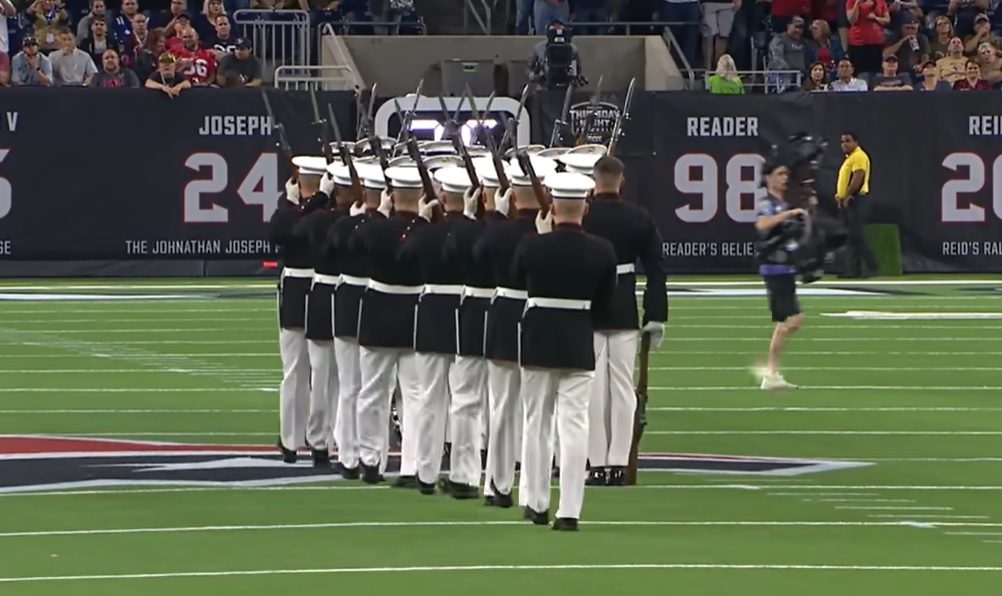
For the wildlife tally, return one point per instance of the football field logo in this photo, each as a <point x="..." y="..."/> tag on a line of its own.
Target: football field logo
<point x="603" y="117"/>
<point x="43" y="463"/>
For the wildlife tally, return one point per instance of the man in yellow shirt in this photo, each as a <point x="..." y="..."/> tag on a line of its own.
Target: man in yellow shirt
<point x="851" y="192"/>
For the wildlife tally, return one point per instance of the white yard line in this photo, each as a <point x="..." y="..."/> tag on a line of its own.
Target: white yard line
<point x="878" y="433"/>
<point x="864" y="500"/>
<point x="892" y="508"/>
<point x="130" y="411"/>
<point x="840" y="369"/>
<point x="809" y="409"/>
<point x="973" y="533"/>
<point x="933" y="517"/>
<point x="669" y="353"/>
<point x="204" y="355"/>
<point x="839" y="388"/>
<point x="130" y="389"/>
<point x="479" y="568"/>
<point x="818" y="494"/>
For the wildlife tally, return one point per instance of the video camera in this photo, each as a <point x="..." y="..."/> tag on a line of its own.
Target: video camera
<point x="559" y="68"/>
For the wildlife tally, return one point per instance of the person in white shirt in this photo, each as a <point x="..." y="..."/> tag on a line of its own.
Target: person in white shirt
<point x="7" y="9"/>
<point x="845" y="80"/>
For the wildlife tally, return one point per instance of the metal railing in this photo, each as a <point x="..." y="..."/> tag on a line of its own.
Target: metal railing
<point x="628" y="25"/>
<point x="771" y="81"/>
<point x="484" y="19"/>
<point x="390" y="27"/>
<point x="279" y="37"/>
<point x="314" y="78"/>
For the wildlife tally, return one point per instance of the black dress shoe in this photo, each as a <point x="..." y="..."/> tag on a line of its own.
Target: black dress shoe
<point x="350" y="473"/>
<point x="371" y="475"/>
<point x="426" y="488"/>
<point x="405" y="482"/>
<point x="501" y="499"/>
<point x="321" y="458"/>
<point x="463" y="491"/>
<point x="565" y="524"/>
<point x="489" y="501"/>
<point x="536" y="517"/>
<point x="289" y="456"/>
<point x="617" y="476"/>
<point x="597" y="477"/>
<point x="811" y="277"/>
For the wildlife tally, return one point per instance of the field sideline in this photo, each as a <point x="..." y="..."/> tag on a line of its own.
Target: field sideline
<point x="136" y="418"/>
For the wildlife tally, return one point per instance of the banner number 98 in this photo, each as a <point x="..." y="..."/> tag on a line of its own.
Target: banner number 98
<point x="698" y="174"/>
<point x="5" y="189"/>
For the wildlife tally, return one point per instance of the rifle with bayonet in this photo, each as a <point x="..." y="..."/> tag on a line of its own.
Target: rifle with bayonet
<point x="455" y="135"/>
<point x="640" y="416"/>
<point x="405" y="122"/>
<point x="624" y="116"/>
<point x="282" y="141"/>
<point x="511" y="127"/>
<point x="346" y="159"/>
<point x="426" y="183"/>
<point x="525" y="162"/>
<point x="589" y="121"/>
<point x="325" y="139"/>
<point x="503" y="184"/>
<point x="561" y="124"/>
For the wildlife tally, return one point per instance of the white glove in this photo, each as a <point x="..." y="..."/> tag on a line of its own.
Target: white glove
<point x="356" y="209"/>
<point x="425" y="210"/>
<point x="385" y="203"/>
<point x="502" y="202"/>
<point x="292" y="191"/>
<point x="327" y="184"/>
<point x="656" y="330"/>
<point x="471" y="199"/>
<point x="544" y="225"/>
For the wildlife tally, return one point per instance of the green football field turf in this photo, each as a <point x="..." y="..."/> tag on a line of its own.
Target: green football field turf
<point x="915" y="394"/>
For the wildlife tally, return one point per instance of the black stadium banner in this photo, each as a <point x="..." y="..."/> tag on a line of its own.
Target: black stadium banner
<point x="135" y="175"/>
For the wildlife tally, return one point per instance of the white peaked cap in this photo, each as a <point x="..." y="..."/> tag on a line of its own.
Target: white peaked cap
<point x="476" y="151"/>
<point x="569" y="185"/>
<point x="581" y="163"/>
<point x="485" y="169"/>
<point x="438" y="148"/>
<point x="372" y="176"/>
<point x="340" y="173"/>
<point x="530" y="149"/>
<point x="401" y="160"/>
<point x="543" y="167"/>
<point x="553" y="152"/>
<point x="404" y="177"/>
<point x="310" y="165"/>
<point x="453" y="179"/>
<point x="590" y="148"/>
<point x="442" y="161"/>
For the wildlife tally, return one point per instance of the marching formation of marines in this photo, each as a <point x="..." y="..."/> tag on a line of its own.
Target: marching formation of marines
<point x="475" y="305"/>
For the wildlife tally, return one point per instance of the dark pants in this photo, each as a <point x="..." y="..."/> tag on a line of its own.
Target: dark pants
<point x="686" y="34"/>
<point x="867" y="59"/>
<point x="858" y="252"/>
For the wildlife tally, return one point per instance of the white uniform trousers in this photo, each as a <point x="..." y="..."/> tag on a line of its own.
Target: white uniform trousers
<point x="468" y="386"/>
<point x="377" y="366"/>
<point x="432" y="413"/>
<point x="323" y="394"/>
<point x="563" y="393"/>
<point x="613" y="401"/>
<point x="503" y="382"/>
<point x="349" y="382"/>
<point x="294" y="392"/>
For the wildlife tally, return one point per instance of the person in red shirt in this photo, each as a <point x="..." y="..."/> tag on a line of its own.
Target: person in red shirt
<point x="867" y="19"/>
<point x="973" y="80"/>
<point x="783" y="11"/>
<point x="197" y="63"/>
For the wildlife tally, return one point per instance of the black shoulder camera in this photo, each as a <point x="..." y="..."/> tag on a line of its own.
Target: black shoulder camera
<point x="558" y="65"/>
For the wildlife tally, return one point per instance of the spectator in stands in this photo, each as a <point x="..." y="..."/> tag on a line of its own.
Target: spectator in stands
<point x="964" y="13"/>
<point x="241" y="68"/>
<point x="123" y="26"/>
<point x="146" y="60"/>
<point x="591" y="11"/>
<point x="71" y="66"/>
<point x="726" y="80"/>
<point x="686" y="14"/>
<point x="942" y="34"/>
<point x="910" y="47"/>
<point x="112" y="75"/>
<point x="718" y="18"/>
<point x="7" y="10"/>
<point x="845" y="80"/>
<point x="197" y="63"/>
<point x="972" y="81"/>
<point x="30" y="66"/>
<point x="135" y="41"/>
<point x="167" y="78"/>
<point x="4" y="70"/>
<point x="222" y="41"/>
<point x="900" y="10"/>
<point x="170" y="19"/>
<point x="787" y="51"/>
<point x="930" y="79"/>
<point x="98" y="10"/>
<point x="782" y="13"/>
<point x="47" y="16"/>
<point x="523" y="16"/>
<point x="204" y="22"/>
<point x="824" y="46"/>
<point x="98" y="41"/>
<point x="817" y="78"/>
<point x="982" y="34"/>
<point x="990" y="63"/>
<point x="545" y="12"/>
<point x="867" y="19"/>
<point x="827" y="11"/>
<point x="890" y="79"/>
<point x="953" y="66"/>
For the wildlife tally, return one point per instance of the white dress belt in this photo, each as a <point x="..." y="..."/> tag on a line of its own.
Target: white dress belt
<point x="294" y="272"/>
<point x="392" y="289"/>
<point x="471" y="292"/>
<point x="625" y="268"/>
<point x="511" y="293"/>
<point x="351" y="280"/>
<point x="330" y="280"/>
<point x="561" y="303"/>
<point x="443" y="290"/>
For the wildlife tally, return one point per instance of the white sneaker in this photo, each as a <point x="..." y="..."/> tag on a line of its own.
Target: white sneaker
<point x="776" y="382"/>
